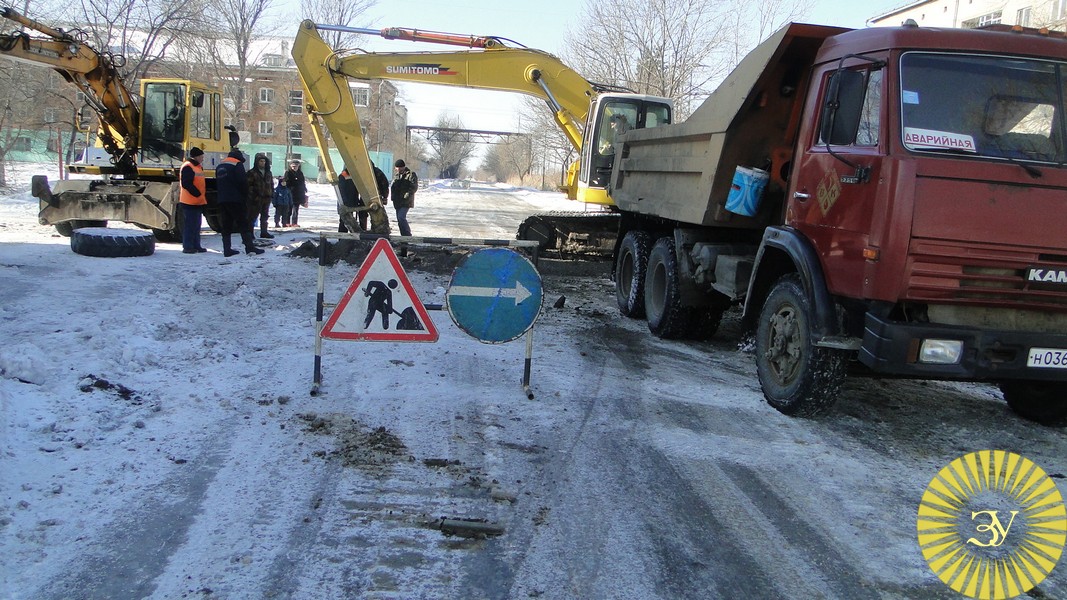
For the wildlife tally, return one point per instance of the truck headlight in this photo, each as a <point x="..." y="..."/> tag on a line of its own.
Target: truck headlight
<point x="941" y="352"/>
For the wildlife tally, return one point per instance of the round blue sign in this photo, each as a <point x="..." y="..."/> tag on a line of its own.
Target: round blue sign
<point x="495" y="295"/>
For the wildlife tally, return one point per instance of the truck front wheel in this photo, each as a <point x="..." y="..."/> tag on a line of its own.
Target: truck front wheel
<point x="1043" y="402"/>
<point x="630" y="273"/>
<point x="797" y="377"/>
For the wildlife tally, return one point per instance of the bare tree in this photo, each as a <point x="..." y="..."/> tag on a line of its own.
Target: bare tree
<point x="552" y="151"/>
<point x="450" y="146"/>
<point x="337" y="12"/>
<point x="672" y="48"/>
<point x="238" y="23"/>
<point x="138" y="33"/>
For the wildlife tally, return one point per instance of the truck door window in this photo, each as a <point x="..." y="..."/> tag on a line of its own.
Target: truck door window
<point x="995" y="107"/>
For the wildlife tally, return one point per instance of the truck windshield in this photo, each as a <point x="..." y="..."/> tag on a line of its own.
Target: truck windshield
<point x="995" y="107"/>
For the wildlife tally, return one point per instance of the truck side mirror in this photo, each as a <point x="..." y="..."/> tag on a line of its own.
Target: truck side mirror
<point x="840" y="118"/>
<point x="198" y="99"/>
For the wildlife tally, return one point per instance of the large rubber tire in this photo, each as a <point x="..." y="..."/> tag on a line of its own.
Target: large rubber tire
<point x="667" y="318"/>
<point x="1043" y="402"/>
<point x="797" y="378"/>
<point x="112" y="243"/>
<point x="630" y="273"/>
<point x="67" y="227"/>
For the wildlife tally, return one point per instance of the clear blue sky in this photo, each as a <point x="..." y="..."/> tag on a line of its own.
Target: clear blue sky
<point x="539" y="24"/>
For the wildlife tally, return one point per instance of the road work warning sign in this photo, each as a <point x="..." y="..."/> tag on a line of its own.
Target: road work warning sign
<point x="380" y="305"/>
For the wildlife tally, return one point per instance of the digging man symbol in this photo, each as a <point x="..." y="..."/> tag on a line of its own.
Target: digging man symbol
<point x="381" y="301"/>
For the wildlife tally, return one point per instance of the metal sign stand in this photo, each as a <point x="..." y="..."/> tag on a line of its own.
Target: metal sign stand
<point x="321" y="304"/>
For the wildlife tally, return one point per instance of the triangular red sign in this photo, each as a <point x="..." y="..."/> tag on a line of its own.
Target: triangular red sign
<point x="380" y="305"/>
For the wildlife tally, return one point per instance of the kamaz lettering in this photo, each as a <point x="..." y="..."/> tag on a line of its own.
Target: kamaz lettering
<point x="1046" y="276"/>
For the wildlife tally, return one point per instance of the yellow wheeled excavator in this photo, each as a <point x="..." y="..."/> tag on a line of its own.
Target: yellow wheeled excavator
<point x="589" y="114"/>
<point x="141" y="141"/>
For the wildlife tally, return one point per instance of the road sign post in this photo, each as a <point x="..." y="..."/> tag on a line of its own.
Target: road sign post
<point x="495" y="295"/>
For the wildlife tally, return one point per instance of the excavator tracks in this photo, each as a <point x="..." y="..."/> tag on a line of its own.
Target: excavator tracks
<point x="573" y="234"/>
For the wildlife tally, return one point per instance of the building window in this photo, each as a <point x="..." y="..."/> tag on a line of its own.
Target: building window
<point x="50" y="115"/>
<point x="266" y="95"/>
<point x="987" y="19"/>
<point x="296" y="134"/>
<point x="273" y="60"/>
<point x="52" y="145"/>
<point x="296" y="102"/>
<point x="266" y="128"/>
<point x="294" y="156"/>
<point x="22" y="144"/>
<point x="1022" y="17"/>
<point x="361" y="96"/>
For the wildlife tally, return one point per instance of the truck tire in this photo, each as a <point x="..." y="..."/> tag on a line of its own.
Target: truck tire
<point x="630" y="273"/>
<point x="797" y="377"/>
<point x="705" y="320"/>
<point x="667" y="317"/>
<point x="112" y="243"/>
<point x="213" y="220"/>
<point x="67" y="227"/>
<point x="1043" y="402"/>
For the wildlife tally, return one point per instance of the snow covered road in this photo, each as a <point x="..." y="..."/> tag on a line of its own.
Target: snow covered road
<point x="158" y="441"/>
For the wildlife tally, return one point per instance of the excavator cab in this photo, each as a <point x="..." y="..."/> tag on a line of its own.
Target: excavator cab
<point x="612" y="115"/>
<point x="177" y="115"/>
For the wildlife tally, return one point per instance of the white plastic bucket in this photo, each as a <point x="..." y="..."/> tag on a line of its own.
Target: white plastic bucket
<point x="746" y="191"/>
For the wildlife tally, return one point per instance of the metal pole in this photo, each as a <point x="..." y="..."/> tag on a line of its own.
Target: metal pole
<point x="526" y="365"/>
<point x="319" y="297"/>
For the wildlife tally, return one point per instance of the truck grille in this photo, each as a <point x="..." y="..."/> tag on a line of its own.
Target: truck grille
<point x="972" y="274"/>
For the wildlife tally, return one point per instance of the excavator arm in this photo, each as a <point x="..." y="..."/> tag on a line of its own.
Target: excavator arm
<point x="494" y="66"/>
<point x="93" y="73"/>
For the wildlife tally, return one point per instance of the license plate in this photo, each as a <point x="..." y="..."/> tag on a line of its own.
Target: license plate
<point x="1047" y="358"/>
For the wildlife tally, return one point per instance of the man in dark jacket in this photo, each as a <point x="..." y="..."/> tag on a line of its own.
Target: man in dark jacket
<point x="231" y="184"/>
<point x="405" y="184"/>
<point x="294" y="180"/>
<point x="260" y="193"/>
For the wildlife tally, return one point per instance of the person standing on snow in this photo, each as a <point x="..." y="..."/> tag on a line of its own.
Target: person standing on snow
<point x="231" y="184"/>
<point x="283" y="203"/>
<point x="193" y="198"/>
<point x="260" y="193"/>
<point x="294" y="180"/>
<point x="405" y="184"/>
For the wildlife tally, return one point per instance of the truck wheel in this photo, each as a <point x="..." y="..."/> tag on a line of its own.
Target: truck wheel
<point x="1043" y="402"/>
<point x="797" y="378"/>
<point x="667" y="318"/>
<point x="630" y="273"/>
<point x="67" y="227"/>
<point x="111" y="243"/>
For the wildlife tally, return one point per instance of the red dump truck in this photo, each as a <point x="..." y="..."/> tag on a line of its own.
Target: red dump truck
<point x="886" y="201"/>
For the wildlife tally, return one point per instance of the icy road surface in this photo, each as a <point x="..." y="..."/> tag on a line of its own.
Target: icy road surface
<point x="158" y="441"/>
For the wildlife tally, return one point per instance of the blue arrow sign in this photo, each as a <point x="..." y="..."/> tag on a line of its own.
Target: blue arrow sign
<point x="495" y="295"/>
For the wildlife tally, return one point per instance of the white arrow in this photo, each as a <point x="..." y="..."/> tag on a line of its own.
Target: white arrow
<point x="519" y="292"/>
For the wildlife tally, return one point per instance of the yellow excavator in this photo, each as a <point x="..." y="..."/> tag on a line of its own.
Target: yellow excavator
<point x="588" y="114"/>
<point x="141" y="141"/>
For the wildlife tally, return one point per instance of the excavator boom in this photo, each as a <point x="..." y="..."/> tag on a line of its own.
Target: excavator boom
<point x="94" y="74"/>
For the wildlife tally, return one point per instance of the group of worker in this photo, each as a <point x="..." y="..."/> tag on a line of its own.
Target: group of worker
<point x="245" y="196"/>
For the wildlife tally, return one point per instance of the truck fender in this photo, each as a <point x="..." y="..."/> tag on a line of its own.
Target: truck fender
<point x="785" y="250"/>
